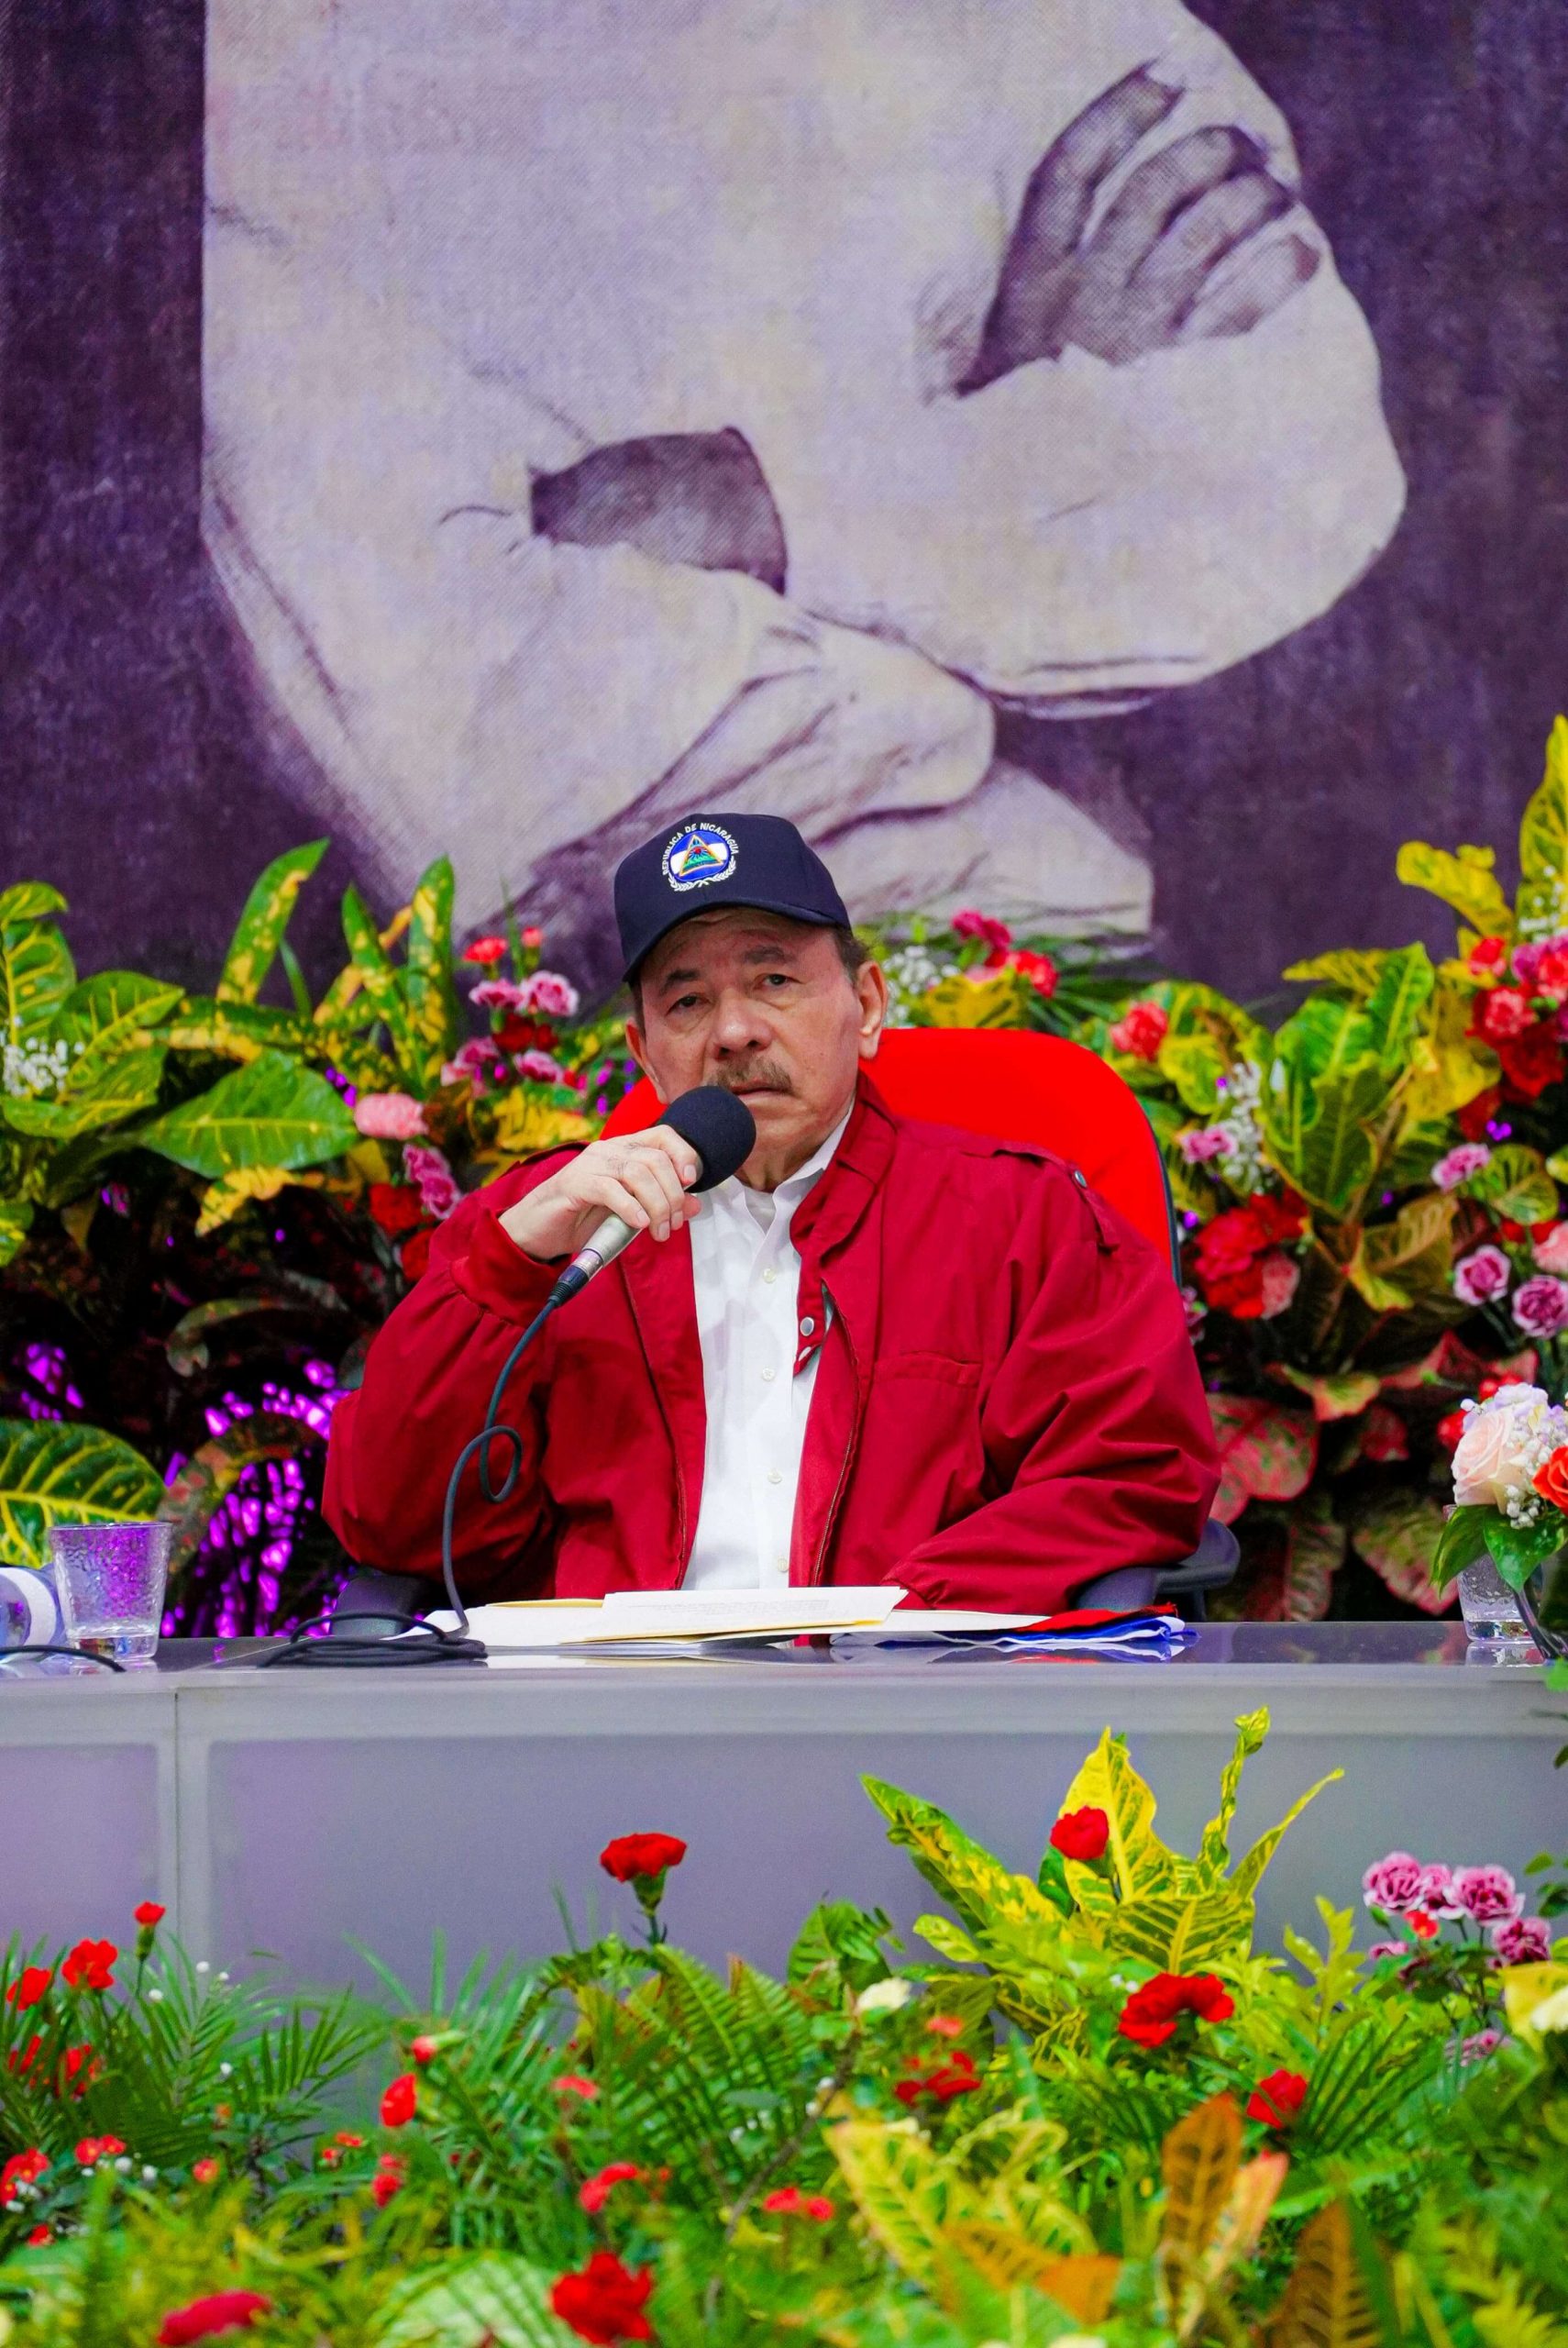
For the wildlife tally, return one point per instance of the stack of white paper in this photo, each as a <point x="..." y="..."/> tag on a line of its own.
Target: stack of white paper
<point x="685" y="1616"/>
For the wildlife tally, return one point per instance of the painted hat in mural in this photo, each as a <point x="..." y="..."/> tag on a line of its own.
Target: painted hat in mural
<point x="710" y="860"/>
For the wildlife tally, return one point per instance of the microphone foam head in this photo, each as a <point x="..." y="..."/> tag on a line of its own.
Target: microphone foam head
<point x="720" y="1127"/>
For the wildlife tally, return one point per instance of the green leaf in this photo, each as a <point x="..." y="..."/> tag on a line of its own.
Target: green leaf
<point x="379" y="980"/>
<point x="1214" y="1851"/>
<point x="490" y="2296"/>
<point x="1466" y="880"/>
<point x="268" y="1113"/>
<point x="1517" y="1184"/>
<point x="124" y="1088"/>
<point x="35" y="975"/>
<point x="1518" y="1549"/>
<point x="1267" y="1451"/>
<point x="1297" y="1580"/>
<point x="1195" y="1065"/>
<point x="259" y="932"/>
<point x="16" y="1222"/>
<point x="1350" y="969"/>
<point x="1412" y="1255"/>
<point x="1462" y="1541"/>
<point x="1394" y="1006"/>
<point x="432" y="996"/>
<point x="29" y="901"/>
<point x="52" y="1474"/>
<point x="1143" y="1867"/>
<point x="1328" y="1090"/>
<point x="1183" y="1931"/>
<point x="114" y="1012"/>
<point x="211" y="1473"/>
<point x="1543" y="844"/>
<point x="1341" y="1395"/>
<point x="1251" y="1870"/>
<point x="1398" y="1533"/>
<point x="239" y="1030"/>
<point x="983" y="1891"/>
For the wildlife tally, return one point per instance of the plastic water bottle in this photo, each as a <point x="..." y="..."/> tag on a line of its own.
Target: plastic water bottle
<point x="29" y="1616"/>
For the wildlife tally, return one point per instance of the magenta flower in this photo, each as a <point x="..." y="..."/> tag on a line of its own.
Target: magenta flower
<point x="478" y="1058"/>
<point x="438" y="1192"/>
<point x="1487" y="1894"/>
<point x="502" y="994"/>
<point x="1523" y="1939"/>
<point x="1436" y="1894"/>
<point x="1279" y="1276"/>
<point x="1393" y="1883"/>
<point x="1387" y="1948"/>
<point x="389" y="1117"/>
<point x="1540" y="1305"/>
<point x="551" y="995"/>
<point x="541" y="1067"/>
<point x="1481" y="1276"/>
<point x="972" y="923"/>
<point x="1460" y="1164"/>
<point x="1199" y="1147"/>
<point x="1484" y="2043"/>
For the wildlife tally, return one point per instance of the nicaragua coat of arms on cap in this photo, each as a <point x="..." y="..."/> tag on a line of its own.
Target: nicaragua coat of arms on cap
<point x="699" y="854"/>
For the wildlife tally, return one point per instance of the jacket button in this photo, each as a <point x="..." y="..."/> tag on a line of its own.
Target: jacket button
<point x="807" y="1326"/>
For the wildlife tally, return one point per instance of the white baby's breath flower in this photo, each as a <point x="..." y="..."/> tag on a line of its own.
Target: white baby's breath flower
<point x="884" y="1996"/>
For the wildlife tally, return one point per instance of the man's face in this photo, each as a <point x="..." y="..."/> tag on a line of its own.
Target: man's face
<point x="765" y="1007"/>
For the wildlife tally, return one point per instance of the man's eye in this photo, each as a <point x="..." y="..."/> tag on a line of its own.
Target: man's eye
<point x="777" y="979"/>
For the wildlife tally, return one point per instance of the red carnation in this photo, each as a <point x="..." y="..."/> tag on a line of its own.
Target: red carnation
<point x="1141" y="1030"/>
<point x="40" y="2234"/>
<point x="604" y="2303"/>
<point x="394" y="1208"/>
<point x="90" y="1966"/>
<point x="485" y="950"/>
<point x="399" y="2102"/>
<point x="148" y="1914"/>
<point x="1475" y="1119"/>
<point x="75" y="2059"/>
<point x="942" y="2081"/>
<point x="1081" y="1835"/>
<point x="1450" y="1427"/>
<point x="21" y="2058"/>
<point x="93" y="2148"/>
<point x="1503" y="1013"/>
<point x="945" y="2026"/>
<point x="425" y="2050"/>
<point x="206" y="2171"/>
<point x="573" y="2083"/>
<point x="1530" y="1061"/>
<point x="789" y="2201"/>
<point x="634" y="1858"/>
<point x="30" y="1987"/>
<point x="1153" y="2013"/>
<point x="1488" y="955"/>
<point x="1277" y="2100"/>
<point x="595" y="2192"/>
<point x="388" y="2180"/>
<point x="205" y="2319"/>
<point x="22" y="2168"/>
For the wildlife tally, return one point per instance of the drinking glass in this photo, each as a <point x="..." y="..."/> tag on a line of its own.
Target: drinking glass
<point x="109" y="1579"/>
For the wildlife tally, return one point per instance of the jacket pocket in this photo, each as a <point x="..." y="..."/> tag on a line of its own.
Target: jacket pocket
<point x="943" y="1368"/>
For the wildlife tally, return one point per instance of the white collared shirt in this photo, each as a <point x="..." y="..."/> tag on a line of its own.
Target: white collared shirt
<point x="747" y="1279"/>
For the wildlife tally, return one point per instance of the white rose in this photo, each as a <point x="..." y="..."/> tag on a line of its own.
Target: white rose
<point x="1493" y="1457"/>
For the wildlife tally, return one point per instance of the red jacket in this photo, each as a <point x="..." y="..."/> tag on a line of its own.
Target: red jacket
<point x="1006" y="1402"/>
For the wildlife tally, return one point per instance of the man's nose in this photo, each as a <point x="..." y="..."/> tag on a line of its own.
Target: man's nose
<point x="740" y="1025"/>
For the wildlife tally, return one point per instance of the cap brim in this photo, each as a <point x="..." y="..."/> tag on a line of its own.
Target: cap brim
<point x="724" y="904"/>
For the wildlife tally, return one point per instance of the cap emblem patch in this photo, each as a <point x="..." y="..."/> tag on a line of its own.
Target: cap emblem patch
<point x="698" y="855"/>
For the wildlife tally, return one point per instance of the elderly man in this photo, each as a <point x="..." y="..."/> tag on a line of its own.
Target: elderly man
<point x="884" y="1352"/>
<point x="614" y="409"/>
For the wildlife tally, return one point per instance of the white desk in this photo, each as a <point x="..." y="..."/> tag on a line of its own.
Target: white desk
<point x="292" y="1812"/>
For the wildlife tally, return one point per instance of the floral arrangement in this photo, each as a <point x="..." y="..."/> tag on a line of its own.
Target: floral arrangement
<point x="1087" y="2110"/>
<point x="1510" y="1484"/>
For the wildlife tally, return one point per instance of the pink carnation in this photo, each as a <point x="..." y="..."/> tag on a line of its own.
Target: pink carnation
<point x="1279" y="1276"/>
<point x="1199" y="1147"/>
<point x="1141" y="1030"/>
<point x="389" y="1117"/>
<point x="1460" y="1164"/>
<point x="551" y="995"/>
<point x="1540" y="1305"/>
<point x="1393" y="1883"/>
<point x="1551" y="1248"/>
<point x="1523" y="1939"/>
<point x="1487" y="1894"/>
<point x="438" y="1192"/>
<point x="504" y="994"/>
<point x="477" y="1062"/>
<point x="971" y="923"/>
<point x="1481" y="2043"/>
<point x="541" y="1067"/>
<point x="1436" y="1894"/>
<point x="1387" y="1948"/>
<point x="1481" y="1276"/>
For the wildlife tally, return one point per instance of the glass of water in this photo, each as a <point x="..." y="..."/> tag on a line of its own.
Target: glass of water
<point x="109" y="1579"/>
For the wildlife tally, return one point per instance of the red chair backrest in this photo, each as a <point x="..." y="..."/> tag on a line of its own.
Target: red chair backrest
<point x="1020" y="1085"/>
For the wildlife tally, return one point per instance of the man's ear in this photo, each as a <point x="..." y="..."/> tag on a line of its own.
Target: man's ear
<point x="637" y="1043"/>
<point x="871" y="990"/>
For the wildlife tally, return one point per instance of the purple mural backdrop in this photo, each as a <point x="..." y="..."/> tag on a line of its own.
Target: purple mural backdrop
<point x="1104" y="462"/>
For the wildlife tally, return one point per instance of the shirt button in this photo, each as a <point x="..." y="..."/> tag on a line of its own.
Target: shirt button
<point x="807" y="1326"/>
<point x="771" y="1273"/>
<point x="776" y="1475"/>
<point x="767" y="1377"/>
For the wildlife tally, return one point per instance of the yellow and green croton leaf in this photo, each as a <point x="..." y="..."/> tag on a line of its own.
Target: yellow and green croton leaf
<point x="1464" y="879"/>
<point x="1543" y="844"/>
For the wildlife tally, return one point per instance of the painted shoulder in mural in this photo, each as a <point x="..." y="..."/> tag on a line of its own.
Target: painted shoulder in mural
<point x="622" y="408"/>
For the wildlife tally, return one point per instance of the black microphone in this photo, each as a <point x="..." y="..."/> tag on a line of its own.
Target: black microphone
<point x="722" y="1135"/>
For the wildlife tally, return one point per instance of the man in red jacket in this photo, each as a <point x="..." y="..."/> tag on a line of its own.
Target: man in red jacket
<point x="885" y="1352"/>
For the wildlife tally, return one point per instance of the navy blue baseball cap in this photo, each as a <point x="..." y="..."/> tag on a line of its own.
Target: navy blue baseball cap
<point x="710" y="860"/>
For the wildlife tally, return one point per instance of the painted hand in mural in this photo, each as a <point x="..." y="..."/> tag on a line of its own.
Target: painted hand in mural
<point x="1148" y="274"/>
<point x="691" y="497"/>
